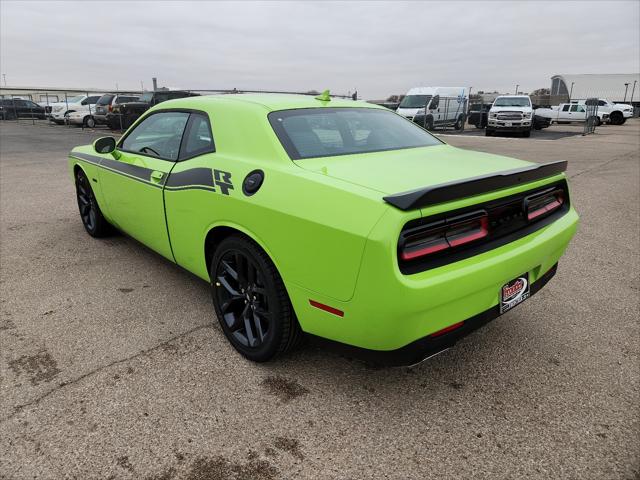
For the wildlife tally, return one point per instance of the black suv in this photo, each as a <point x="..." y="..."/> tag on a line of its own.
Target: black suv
<point x="123" y="115"/>
<point x="12" y="108"/>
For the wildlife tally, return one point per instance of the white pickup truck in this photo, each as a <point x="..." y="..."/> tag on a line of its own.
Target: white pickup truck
<point x="510" y="113"/>
<point x="618" y="112"/>
<point x="569" y="113"/>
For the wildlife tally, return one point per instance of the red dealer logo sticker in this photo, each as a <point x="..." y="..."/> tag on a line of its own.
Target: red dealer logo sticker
<point x="514" y="292"/>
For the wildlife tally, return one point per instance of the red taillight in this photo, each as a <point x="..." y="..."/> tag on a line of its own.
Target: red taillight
<point x="326" y="308"/>
<point x="110" y="108"/>
<point x="448" y="329"/>
<point x="539" y="205"/>
<point x="446" y="234"/>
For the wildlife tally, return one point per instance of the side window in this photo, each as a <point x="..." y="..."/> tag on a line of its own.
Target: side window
<point x="580" y="109"/>
<point x="159" y="135"/>
<point x="198" y="138"/>
<point x="601" y="103"/>
<point x="565" y="108"/>
<point x="574" y="108"/>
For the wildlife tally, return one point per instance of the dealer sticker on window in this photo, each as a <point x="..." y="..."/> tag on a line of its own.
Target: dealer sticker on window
<point x="514" y="292"/>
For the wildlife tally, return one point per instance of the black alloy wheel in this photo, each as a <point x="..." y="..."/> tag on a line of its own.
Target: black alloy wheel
<point x="250" y="300"/>
<point x="92" y="219"/>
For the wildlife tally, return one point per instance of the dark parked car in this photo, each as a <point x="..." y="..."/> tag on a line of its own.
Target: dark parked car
<point x="105" y="105"/>
<point x="126" y="113"/>
<point x="12" y="108"/>
<point x="478" y="113"/>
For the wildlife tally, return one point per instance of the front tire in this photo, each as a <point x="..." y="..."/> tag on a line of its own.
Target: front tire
<point x="488" y="132"/>
<point x="616" y="118"/>
<point x="526" y="133"/>
<point x="251" y="302"/>
<point x="94" y="223"/>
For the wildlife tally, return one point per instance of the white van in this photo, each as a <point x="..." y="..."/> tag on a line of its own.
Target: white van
<point x="435" y="106"/>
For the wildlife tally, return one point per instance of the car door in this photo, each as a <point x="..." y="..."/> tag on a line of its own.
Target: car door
<point x="564" y="114"/>
<point x="132" y="184"/>
<point x="577" y="113"/>
<point x="198" y="192"/>
<point x="434" y="109"/>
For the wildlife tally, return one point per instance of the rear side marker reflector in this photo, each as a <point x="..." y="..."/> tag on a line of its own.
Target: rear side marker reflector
<point x="326" y="308"/>
<point x="448" y="329"/>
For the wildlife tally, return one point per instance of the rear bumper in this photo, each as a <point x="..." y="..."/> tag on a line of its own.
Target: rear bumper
<point x="428" y="346"/>
<point x="390" y="310"/>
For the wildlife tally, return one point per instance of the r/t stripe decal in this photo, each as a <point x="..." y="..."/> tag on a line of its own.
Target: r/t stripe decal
<point x="193" y="179"/>
<point x="194" y="176"/>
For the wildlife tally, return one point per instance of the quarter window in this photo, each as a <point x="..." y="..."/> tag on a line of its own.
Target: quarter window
<point x="198" y="138"/>
<point x="159" y="135"/>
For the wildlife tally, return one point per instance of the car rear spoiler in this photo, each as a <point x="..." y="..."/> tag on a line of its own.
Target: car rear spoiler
<point x="446" y="192"/>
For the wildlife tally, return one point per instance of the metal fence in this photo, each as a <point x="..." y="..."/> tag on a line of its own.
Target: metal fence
<point x="55" y="105"/>
<point x="443" y="113"/>
<point x="592" y="120"/>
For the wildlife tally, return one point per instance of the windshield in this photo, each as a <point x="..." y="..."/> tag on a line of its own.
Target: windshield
<point x="414" y="101"/>
<point x="512" y="102"/>
<point x="325" y="132"/>
<point x="146" y="97"/>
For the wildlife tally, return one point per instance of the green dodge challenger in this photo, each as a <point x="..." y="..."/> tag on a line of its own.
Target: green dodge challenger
<point x="336" y="218"/>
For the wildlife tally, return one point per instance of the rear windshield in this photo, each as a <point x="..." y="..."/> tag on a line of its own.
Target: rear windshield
<point x="122" y="99"/>
<point x="324" y="132"/>
<point x="105" y="99"/>
<point x="415" y="101"/>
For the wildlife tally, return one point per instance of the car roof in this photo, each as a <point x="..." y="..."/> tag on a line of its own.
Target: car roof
<point x="268" y="101"/>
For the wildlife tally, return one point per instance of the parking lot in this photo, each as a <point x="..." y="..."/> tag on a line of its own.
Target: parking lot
<point x="112" y="364"/>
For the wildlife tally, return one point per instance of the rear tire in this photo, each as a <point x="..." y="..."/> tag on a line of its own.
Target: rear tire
<point x="251" y="302"/>
<point x="526" y="133"/>
<point x="488" y="133"/>
<point x="94" y="223"/>
<point x="89" y="121"/>
<point x="459" y="123"/>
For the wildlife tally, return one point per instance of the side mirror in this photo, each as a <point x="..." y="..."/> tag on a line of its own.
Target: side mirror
<point x="105" y="145"/>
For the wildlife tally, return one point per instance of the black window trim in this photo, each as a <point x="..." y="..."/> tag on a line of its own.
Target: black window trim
<point x="293" y="153"/>
<point x="143" y="118"/>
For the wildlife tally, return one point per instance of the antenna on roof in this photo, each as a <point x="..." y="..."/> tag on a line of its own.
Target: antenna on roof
<point x="324" y="96"/>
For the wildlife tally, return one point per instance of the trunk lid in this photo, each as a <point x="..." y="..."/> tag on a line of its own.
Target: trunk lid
<point x="412" y="168"/>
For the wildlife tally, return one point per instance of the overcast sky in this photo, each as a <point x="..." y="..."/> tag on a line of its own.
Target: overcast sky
<point x="377" y="47"/>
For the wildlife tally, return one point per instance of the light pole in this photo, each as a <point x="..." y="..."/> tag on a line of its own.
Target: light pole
<point x="626" y="87"/>
<point x="517" y="89"/>
<point x="633" y="91"/>
<point x="4" y="78"/>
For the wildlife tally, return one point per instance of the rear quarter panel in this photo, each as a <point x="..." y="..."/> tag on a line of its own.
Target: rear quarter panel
<point x="313" y="227"/>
